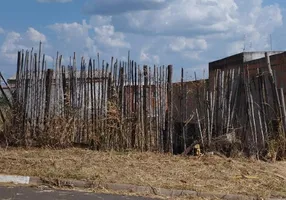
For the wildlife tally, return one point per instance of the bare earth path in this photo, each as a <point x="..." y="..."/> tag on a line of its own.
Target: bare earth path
<point x="206" y="174"/>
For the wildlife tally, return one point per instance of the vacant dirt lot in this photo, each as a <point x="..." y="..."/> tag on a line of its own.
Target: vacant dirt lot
<point x="207" y="173"/>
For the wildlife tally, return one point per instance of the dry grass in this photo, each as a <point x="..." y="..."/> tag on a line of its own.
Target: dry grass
<point x="208" y="174"/>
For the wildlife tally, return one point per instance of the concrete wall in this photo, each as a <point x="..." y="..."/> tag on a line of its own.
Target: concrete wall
<point x="249" y="56"/>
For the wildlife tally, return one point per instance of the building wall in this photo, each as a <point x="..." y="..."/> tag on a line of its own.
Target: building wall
<point x="231" y="62"/>
<point x="156" y="99"/>
<point x="249" y="56"/>
<point x="278" y="65"/>
<point x="252" y="61"/>
<point x="187" y="98"/>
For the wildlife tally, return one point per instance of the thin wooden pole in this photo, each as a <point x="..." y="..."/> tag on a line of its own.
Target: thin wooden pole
<point x="145" y="70"/>
<point x="150" y="109"/>
<point x="200" y="128"/>
<point x="283" y="108"/>
<point x="170" y="108"/>
<point x="182" y="109"/>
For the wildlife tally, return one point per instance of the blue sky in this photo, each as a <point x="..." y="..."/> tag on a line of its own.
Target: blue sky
<point x="185" y="33"/>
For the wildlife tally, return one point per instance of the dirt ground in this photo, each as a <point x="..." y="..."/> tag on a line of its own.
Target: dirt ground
<point x="206" y="173"/>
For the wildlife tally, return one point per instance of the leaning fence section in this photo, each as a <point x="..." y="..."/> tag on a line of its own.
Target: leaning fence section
<point x="242" y="107"/>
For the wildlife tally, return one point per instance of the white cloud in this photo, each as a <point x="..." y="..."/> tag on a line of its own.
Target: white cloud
<point x="54" y="1"/>
<point x="107" y="36"/>
<point x="203" y="29"/>
<point x="75" y="37"/>
<point x="99" y="20"/>
<point x="15" y="41"/>
<point x="192" y="55"/>
<point x="10" y="47"/>
<point x="236" y="47"/>
<point x="175" y="32"/>
<point x="209" y="20"/>
<point x="49" y="59"/>
<point x="186" y="17"/>
<point x="69" y="31"/>
<point x="184" y="33"/>
<point x="148" y="57"/>
<point x="181" y="43"/>
<point x="35" y="35"/>
<point x="88" y="39"/>
<point x="256" y="24"/>
<point x="2" y="30"/>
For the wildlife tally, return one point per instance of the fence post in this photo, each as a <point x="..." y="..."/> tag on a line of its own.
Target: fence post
<point x="282" y="98"/>
<point x="49" y="80"/>
<point x="170" y="108"/>
<point x="183" y="109"/>
<point x="276" y="101"/>
<point x="145" y="112"/>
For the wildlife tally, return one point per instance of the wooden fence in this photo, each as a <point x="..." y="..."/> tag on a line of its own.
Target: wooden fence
<point x="121" y="105"/>
<point x="237" y="105"/>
